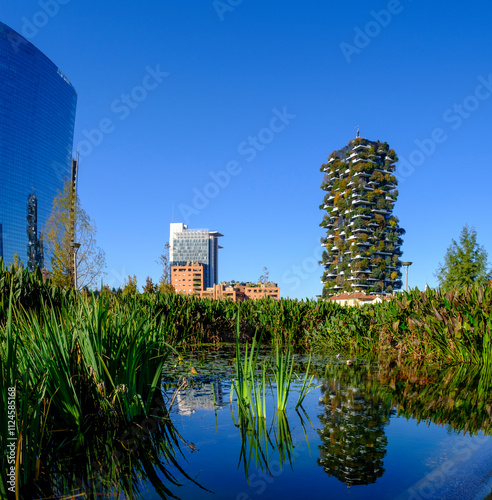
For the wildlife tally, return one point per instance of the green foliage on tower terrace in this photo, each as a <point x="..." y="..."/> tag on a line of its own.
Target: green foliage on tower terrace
<point x="363" y="236"/>
<point x="465" y="263"/>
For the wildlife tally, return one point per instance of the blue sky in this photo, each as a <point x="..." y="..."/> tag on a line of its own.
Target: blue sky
<point x="219" y="114"/>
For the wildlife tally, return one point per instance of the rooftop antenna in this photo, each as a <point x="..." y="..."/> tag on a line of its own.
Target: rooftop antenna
<point x="172" y="213"/>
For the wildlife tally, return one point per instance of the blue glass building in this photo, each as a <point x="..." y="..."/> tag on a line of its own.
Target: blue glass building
<point x="37" y="116"/>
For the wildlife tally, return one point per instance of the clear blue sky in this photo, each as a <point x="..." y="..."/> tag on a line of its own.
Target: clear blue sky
<point x="171" y="93"/>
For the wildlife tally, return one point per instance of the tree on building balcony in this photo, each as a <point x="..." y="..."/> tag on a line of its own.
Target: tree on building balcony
<point x="360" y="193"/>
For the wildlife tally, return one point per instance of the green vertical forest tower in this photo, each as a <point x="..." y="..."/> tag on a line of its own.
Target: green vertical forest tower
<point x="363" y="237"/>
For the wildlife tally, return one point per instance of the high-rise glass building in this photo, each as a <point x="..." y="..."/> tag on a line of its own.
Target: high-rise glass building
<point x="37" y="116"/>
<point x="187" y="246"/>
<point x="363" y="236"/>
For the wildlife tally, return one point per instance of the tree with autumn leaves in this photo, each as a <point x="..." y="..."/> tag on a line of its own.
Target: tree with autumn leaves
<point x="58" y="242"/>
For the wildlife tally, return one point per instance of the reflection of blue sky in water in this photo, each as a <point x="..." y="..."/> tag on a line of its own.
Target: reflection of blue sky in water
<point x="416" y="459"/>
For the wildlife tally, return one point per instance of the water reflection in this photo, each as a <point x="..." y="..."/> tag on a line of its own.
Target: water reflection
<point x="357" y="403"/>
<point x="359" y="400"/>
<point x="353" y="421"/>
<point x="263" y="440"/>
<point x="120" y="463"/>
<point x="458" y="396"/>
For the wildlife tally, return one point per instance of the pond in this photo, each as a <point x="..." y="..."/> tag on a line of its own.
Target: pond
<point x="367" y="429"/>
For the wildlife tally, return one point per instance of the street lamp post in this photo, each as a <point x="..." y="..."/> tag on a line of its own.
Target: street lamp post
<point x="75" y="247"/>
<point x="406" y="266"/>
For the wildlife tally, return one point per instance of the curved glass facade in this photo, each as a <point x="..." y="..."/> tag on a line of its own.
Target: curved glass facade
<point x="37" y="116"/>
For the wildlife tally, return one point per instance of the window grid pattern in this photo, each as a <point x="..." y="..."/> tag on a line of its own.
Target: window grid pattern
<point x="37" y="116"/>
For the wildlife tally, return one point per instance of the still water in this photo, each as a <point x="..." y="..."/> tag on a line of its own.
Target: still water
<point x="366" y="430"/>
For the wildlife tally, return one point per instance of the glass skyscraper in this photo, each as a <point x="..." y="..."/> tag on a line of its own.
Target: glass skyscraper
<point x="187" y="246"/>
<point x="37" y="116"/>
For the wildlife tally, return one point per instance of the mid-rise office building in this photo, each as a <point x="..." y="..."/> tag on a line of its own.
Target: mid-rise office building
<point x="37" y="116"/>
<point x="187" y="246"/>
<point x="363" y="237"/>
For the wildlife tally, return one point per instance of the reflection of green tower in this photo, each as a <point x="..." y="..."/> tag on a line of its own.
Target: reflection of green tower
<point x="353" y="437"/>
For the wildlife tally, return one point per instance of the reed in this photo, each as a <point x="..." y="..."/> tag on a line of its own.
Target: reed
<point x="283" y="373"/>
<point x="453" y="327"/>
<point x="307" y="386"/>
<point x="81" y="362"/>
<point x="450" y="327"/>
<point x="249" y="390"/>
<point x="79" y="367"/>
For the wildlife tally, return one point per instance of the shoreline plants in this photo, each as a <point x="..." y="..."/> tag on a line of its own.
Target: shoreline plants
<point x="87" y="364"/>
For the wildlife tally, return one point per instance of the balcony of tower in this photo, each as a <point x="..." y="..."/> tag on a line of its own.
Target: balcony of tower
<point x="359" y="147"/>
<point x="364" y="160"/>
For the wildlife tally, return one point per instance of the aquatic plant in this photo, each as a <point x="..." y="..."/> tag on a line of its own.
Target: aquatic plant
<point x="80" y="368"/>
<point x="250" y="390"/>
<point x="307" y="385"/>
<point x="433" y="325"/>
<point x="283" y="370"/>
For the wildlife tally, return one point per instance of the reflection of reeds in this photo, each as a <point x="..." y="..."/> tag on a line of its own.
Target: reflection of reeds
<point x="254" y="442"/>
<point x="257" y="439"/>
<point x="251" y="387"/>
<point x="455" y="396"/>
<point x="283" y="438"/>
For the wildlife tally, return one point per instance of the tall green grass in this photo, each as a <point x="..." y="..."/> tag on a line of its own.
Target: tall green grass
<point x="83" y="367"/>
<point x="450" y="327"/>
<point x="83" y="363"/>
<point x="252" y="379"/>
<point x="453" y="326"/>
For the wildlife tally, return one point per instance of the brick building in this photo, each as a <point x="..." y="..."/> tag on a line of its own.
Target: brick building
<point x="188" y="279"/>
<point x="241" y="291"/>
